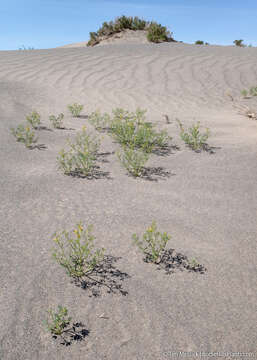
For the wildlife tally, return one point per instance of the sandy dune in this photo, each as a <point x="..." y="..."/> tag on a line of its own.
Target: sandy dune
<point x="207" y="204"/>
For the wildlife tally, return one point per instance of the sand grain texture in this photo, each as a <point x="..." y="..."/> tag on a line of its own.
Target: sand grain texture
<point x="208" y="204"/>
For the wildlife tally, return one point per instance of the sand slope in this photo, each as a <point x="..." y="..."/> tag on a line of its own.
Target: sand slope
<point x="208" y="203"/>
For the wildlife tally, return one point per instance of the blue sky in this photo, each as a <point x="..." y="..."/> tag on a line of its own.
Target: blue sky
<point x="50" y="23"/>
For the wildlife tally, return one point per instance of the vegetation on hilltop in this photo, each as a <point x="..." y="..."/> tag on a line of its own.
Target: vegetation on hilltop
<point x="155" y="32"/>
<point x="200" y="42"/>
<point x="239" y="43"/>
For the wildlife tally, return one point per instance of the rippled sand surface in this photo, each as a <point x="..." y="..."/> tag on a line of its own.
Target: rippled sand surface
<point x="207" y="202"/>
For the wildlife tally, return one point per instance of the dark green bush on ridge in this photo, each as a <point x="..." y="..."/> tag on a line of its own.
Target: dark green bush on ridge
<point x="200" y="42"/>
<point x="155" y="32"/>
<point x="239" y="43"/>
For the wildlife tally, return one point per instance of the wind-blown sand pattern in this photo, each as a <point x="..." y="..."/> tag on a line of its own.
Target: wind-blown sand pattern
<point x="208" y="204"/>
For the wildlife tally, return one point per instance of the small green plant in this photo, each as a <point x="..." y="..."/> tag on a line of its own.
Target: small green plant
<point x="57" y="121"/>
<point x="81" y="157"/>
<point x="75" y="251"/>
<point x="239" y="43"/>
<point x="99" y="121"/>
<point x="130" y="129"/>
<point x="75" y="109"/>
<point x="193" y="263"/>
<point x="133" y="160"/>
<point x="253" y="91"/>
<point x="152" y="244"/>
<point x="193" y="137"/>
<point x="157" y="33"/>
<point x="244" y="93"/>
<point x="58" y="320"/>
<point x="34" y="119"/>
<point x="25" y="135"/>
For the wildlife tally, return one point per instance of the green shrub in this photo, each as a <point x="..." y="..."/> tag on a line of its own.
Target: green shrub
<point x="253" y="91"/>
<point x="152" y="244"/>
<point x="58" y="320"/>
<point x="93" y="39"/>
<point x="130" y="129"/>
<point x="244" y="93"/>
<point x="99" y="121"/>
<point x="57" y="121"/>
<point x="81" y="157"/>
<point x="133" y="160"/>
<point x="139" y="24"/>
<point x="33" y="119"/>
<point x="24" y="134"/>
<point x="239" y="43"/>
<point x="193" y="137"/>
<point x="157" y="33"/>
<point x="199" y="42"/>
<point x="75" y="109"/>
<point x="75" y="251"/>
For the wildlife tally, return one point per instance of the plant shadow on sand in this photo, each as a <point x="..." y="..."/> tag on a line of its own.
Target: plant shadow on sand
<point x="105" y="275"/>
<point x="102" y="156"/>
<point x="76" y="332"/>
<point x="95" y="174"/>
<point x="42" y="127"/>
<point x="172" y="260"/>
<point x="166" y="150"/>
<point x="64" y="128"/>
<point x="154" y="174"/>
<point x="38" y="147"/>
<point x="209" y="149"/>
<point x="82" y="117"/>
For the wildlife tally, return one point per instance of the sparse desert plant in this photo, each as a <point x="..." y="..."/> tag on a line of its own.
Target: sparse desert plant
<point x="157" y="33"/>
<point x="57" y="121"/>
<point x="152" y="244"/>
<point x="65" y="161"/>
<point x="244" y="93"/>
<point x="24" y="134"/>
<point x="75" y="251"/>
<point x="239" y="43"/>
<point x="75" y="109"/>
<point x="193" y="137"/>
<point x="193" y="263"/>
<point x="253" y="91"/>
<point x="58" y="320"/>
<point x="133" y="160"/>
<point x="99" y="121"/>
<point x="130" y="129"/>
<point x="81" y="157"/>
<point x="34" y="119"/>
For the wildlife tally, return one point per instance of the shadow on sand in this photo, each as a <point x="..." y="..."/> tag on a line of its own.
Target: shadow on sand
<point x="106" y="275"/>
<point x="170" y="261"/>
<point x="76" y="332"/>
